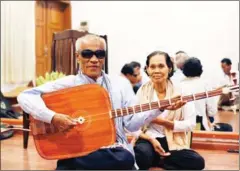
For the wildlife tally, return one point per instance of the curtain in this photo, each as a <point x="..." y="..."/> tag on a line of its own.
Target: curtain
<point x="17" y="42"/>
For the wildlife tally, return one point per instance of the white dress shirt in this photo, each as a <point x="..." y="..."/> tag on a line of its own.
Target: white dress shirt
<point x="177" y="77"/>
<point x="227" y="80"/>
<point x="204" y="107"/>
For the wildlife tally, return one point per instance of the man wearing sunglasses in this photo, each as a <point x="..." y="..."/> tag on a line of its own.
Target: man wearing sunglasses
<point x="91" y="53"/>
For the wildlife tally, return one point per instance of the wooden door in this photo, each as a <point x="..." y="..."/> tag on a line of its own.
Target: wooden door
<point x="50" y="17"/>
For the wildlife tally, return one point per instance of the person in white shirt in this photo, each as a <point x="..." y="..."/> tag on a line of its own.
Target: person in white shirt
<point x="180" y="58"/>
<point x="130" y="77"/>
<point x="164" y="142"/>
<point x="192" y="84"/>
<point x="226" y="65"/>
<point x="129" y="74"/>
<point x="229" y="78"/>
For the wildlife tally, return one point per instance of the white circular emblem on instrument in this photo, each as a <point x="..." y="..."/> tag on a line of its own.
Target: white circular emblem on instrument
<point x="81" y="120"/>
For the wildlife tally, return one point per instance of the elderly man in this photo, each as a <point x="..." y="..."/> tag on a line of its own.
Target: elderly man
<point x="178" y="75"/>
<point x="91" y="53"/>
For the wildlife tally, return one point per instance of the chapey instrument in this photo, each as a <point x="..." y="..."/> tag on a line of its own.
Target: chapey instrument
<point x="90" y="106"/>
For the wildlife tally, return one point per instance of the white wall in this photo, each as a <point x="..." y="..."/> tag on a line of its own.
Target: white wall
<point x="207" y="30"/>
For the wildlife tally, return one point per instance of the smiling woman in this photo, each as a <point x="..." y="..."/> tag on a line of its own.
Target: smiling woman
<point x="167" y="133"/>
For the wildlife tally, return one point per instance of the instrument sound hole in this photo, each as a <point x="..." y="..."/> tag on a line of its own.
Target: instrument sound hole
<point x="83" y="119"/>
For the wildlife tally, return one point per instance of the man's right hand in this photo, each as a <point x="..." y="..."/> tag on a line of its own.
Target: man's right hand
<point x="63" y="122"/>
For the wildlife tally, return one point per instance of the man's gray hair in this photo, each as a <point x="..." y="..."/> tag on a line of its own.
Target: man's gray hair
<point x="89" y="37"/>
<point x="181" y="58"/>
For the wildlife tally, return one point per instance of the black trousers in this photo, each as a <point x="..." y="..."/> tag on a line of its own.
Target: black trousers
<point x="218" y="126"/>
<point x="104" y="159"/>
<point x="146" y="157"/>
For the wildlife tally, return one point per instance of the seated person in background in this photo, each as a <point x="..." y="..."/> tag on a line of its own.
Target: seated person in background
<point x="91" y="53"/>
<point x="164" y="141"/>
<point x="180" y="58"/>
<point x="137" y="69"/>
<point x="229" y="78"/>
<point x="206" y="109"/>
<point x="142" y="77"/>
<point x="129" y="78"/>
<point x="129" y="75"/>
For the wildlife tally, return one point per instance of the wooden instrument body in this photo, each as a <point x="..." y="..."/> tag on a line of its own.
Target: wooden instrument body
<point x="90" y="102"/>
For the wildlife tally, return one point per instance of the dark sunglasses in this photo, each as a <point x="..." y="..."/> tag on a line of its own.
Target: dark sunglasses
<point x="88" y="54"/>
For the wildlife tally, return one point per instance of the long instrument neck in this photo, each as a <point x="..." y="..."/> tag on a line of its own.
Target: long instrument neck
<point x="162" y="103"/>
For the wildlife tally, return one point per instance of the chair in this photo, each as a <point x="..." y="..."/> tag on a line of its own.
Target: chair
<point x="63" y="60"/>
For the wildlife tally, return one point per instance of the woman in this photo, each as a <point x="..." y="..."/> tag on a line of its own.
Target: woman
<point x="164" y="141"/>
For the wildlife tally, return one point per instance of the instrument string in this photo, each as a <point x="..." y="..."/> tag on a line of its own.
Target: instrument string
<point x="146" y="107"/>
<point x="154" y="105"/>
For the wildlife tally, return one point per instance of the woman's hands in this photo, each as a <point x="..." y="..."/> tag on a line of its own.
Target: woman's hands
<point x="158" y="148"/>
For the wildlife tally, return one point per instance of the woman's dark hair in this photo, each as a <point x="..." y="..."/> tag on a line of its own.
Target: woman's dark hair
<point x="168" y="62"/>
<point x="192" y="67"/>
<point x="145" y="70"/>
